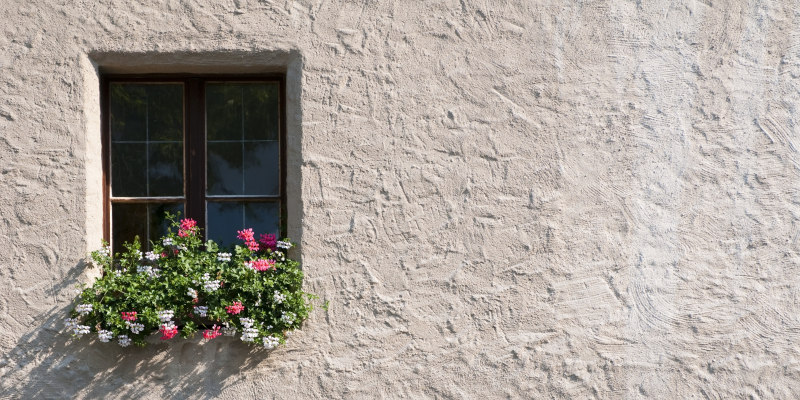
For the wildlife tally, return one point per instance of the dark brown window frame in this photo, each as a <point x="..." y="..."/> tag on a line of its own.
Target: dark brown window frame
<point x="194" y="166"/>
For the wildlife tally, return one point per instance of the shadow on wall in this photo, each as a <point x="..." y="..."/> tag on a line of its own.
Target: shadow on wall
<point x="48" y="363"/>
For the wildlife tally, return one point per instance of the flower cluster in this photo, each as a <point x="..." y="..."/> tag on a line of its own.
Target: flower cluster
<point x="105" y="336"/>
<point x="128" y="315"/>
<point x="210" y="285"/>
<point x="268" y="241"/>
<point x="212" y="333"/>
<point x="278" y="297"/>
<point x="201" y="311"/>
<point x="236" y="308"/>
<point x="181" y="282"/>
<point x="248" y="237"/>
<point x="261" y="264"/>
<point x="188" y="227"/>
<point x="83" y="309"/>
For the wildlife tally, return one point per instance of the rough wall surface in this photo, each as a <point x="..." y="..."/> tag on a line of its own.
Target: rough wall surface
<point x="499" y="199"/>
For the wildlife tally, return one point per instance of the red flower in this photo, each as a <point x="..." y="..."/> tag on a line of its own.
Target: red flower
<point x="168" y="331"/>
<point x="211" y="333"/>
<point x="129" y="316"/>
<point x="236" y="308"/>
<point x="262" y="265"/>
<point x="188" y="227"/>
<point x="268" y="240"/>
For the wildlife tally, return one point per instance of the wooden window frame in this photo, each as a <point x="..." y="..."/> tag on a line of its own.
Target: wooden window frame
<point x="194" y="142"/>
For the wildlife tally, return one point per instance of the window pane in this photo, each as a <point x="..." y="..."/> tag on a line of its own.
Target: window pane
<point x="223" y="112"/>
<point x="128" y="114"/>
<point x="261" y="110"/>
<point x="165" y="169"/>
<point x="225" y="218"/>
<point x="261" y="168"/>
<point x="128" y="169"/>
<point x="224" y="168"/>
<point x="243" y="153"/>
<point x="146" y="139"/>
<point x="143" y="220"/>
<point x="146" y="111"/>
<point x="165" y="112"/>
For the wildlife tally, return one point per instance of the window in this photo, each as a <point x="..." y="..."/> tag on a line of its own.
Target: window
<point x="210" y="147"/>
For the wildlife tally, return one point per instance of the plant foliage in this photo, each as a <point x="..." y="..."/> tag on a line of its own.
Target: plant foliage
<point x="185" y="285"/>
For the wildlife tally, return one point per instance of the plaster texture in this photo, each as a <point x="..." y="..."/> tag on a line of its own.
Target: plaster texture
<point x="500" y="199"/>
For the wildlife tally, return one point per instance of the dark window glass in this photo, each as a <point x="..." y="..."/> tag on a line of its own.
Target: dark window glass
<point x="226" y="174"/>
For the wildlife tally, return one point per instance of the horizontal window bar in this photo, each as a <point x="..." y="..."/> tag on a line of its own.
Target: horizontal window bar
<point x="241" y="140"/>
<point x="166" y="199"/>
<point x="243" y="198"/>
<point x="147" y="141"/>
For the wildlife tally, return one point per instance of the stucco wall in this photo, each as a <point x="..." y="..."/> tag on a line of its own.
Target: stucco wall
<point x="522" y="199"/>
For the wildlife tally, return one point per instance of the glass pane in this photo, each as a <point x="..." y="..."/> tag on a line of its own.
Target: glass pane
<point x="166" y="169"/>
<point x="225" y="218"/>
<point x="127" y="222"/>
<point x="261" y="168"/>
<point x="224" y="166"/>
<point x="261" y="110"/>
<point x="165" y="112"/>
<point x="146" y="139"/>
<point x="128" y="169"/>
<point x="159" y="226"/>
<point x="146" y="111"/>
<point x="223" y="112"/>
<point x="128" y="111"/>
<point x="143" y="220"/>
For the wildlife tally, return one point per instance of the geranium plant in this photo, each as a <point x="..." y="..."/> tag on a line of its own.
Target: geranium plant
<point x="185" y="285"/>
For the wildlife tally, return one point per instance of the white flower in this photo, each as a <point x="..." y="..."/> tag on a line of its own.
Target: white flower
<point x="249" y="334"/>
<point x="150" y="271"/>
<point x="270" y="342"/>
<point x="105" y="336"/>
<point x="287" y="318"/>
<point x="224" y="257"/>
<point x="124" y="340"/>
<point x="210" y="285"/>
<point x="138" y="254"/>
<point x="228" y="330"/>
<point x="201" y="311"/>
<point x="278" y="297"/>
<point x="70" y="324"/>
<point x="81" y="330"/>
<point x="191" y="293"/>
<point x="152" y="256"/>
<point x="279" y="255"/>
<point x="284" y="245"/>
<point x="117" y="273"/>
<point x="167" y="242"/>
<point x="83" y="309"/>
<point x="182" y="247"/>
<point x="135" y="327"/>
<point x="246" y="322"/>
<point x="104" y="251"/>
<point x="166" y="315"/>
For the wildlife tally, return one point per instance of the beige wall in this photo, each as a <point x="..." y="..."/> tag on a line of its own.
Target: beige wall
<point x="522" y="199"/>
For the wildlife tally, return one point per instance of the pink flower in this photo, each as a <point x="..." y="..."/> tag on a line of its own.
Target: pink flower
<point x="129" y="316"/>
<point x="236" y="308"/>
<point x="262" y="264"/>
<point x="246" y="234"/>
<point x="188" y="227"/>
<point x="211" y="333"/>
<point x="168" y="331"/>
<point x="268" y="240"/>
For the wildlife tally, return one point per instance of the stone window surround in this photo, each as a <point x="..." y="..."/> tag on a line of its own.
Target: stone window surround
<point x="95" y="64"/>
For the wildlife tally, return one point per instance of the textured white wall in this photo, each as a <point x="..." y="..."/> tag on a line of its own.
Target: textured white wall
<point x="522" y="199"/>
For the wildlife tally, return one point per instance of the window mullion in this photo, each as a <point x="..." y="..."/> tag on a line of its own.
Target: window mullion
<point x="195" y="151"/>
